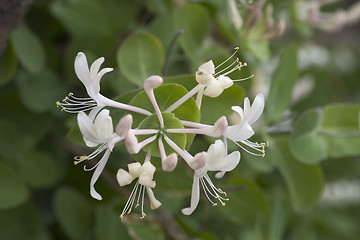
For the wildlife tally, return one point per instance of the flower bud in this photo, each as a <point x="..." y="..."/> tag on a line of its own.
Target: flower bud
<point x="198" y="161"/>
<point x="170" y="162"/>
<point x="131" y="143"/>
<point x="124" y="125"/>
<point x="219" y="128"/>
<point x="152" y="82"/>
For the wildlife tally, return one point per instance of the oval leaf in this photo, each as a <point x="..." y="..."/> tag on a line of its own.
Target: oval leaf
<point x="73" y="212"/>
<point x="304" y="182"/>
<point x="28" y="49"/>
<point x="13" y="192"/>
<point x="140" y="56"/>
<point x="282" y="84"/>
<point x="305" y="143"/>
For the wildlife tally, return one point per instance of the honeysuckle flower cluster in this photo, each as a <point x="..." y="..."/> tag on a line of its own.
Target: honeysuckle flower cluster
<point x="158" y="131"/>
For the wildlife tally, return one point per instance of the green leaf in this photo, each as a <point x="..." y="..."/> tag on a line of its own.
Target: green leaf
<point x="304" y="182"/>
<point x="187" y="81"/>
<point x="140" y="56"/>
<point x="144" y="229"/>
<point x="13" y="191"/>
<point x="248" y="201"/>
<point x="73" y="212"/>
<point x="341" y="130"/>
<point x="8" y="65"/>
<point x="38" y="169"/>
<point x="41" y="91"/>
<point x="28" y="49"/>
<point x="282" y="84"/>
<point x="341" y="118"/>
<point x="194" y="19"/>
<point x="213" y="108"/>
<point x="107" y="224"/>
<point x="305" y="143"/>
<point x="170" y="122"/>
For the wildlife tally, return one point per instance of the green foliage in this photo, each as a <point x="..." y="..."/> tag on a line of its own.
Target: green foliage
<point x="28" y="49"/>
<point x="73" y="212"/>
<point x="313" y="132"/>
<point x="13" y="191"/>
<point x="282" y="82"/>
<point x="140" y="56"/>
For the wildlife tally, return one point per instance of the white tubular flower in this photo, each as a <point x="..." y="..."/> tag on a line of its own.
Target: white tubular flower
<point x="248" y="115"/>
<point x="240" y="132"/>
<point x="97" y="132"/>
<point x="216" y="160"/>
<point x="214" y="85"/>
<point x="145" y="174"/>
<point x="91" y="80"/>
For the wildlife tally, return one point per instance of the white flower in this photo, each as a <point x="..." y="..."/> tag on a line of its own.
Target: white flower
<point x="217" y="160"/>
<point x="248" y="115"/>
<point x="90" y="77"/>
<point x="214" y="85"/>
<point x="145" y="173"/>
<point x="240" y="132"/>
<point x="97" y="132"/>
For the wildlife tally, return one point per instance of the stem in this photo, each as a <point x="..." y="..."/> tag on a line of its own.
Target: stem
<point x="184" y="154"/>
<point x="168" y="54"/>
<point x="188" y="95"/>
<point x="194" y="124"/>
<point x="144" y="131"/>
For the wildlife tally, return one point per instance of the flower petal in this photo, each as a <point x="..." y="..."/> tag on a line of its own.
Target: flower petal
<point x="87" y="129"/>
<point x="214" y="89"/>
<point x="97" y="173"/>
<point x="103" y="125"/>
<point x="228" y="163"/>
<point x="95" y="67"/>
<point x="256" y="109"/>
<point x="239" y="132"/>
<point x="123" y="177"/>
<point x="225" y="81"/>
<point x="215" y="154"/>
<point x="207" y="67"/>
<point x="154" y="203"/>
<point x="239" y="110"/>
<point x="82" y="69"/>
<point x="195" y="197"/>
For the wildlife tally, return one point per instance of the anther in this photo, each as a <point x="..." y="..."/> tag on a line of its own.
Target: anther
<point x="142" y="215"/>
<point x="215" y="204"/>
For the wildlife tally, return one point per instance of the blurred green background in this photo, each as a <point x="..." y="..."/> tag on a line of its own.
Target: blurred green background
<point x="306" y="187"/>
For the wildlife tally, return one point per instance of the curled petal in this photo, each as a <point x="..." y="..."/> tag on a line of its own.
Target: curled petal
<point x="195" y="197"/>
<point x="214" y="89"/>
<point x="123" y="177"/>
<point x="154" y="203"/>
<point x="256" y="108"/>
<point x="225" y="81"/>
<point x="96" y="175"/>
<point x="207" y="67"/>
<point x="82" y="69"/>
<point x="239" y="132"/>
<point x="134" y="169"/>
<point x="94" y="69"/>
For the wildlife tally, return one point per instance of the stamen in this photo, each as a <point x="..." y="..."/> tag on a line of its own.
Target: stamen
<point x="243" y="79"/>
<point x="233" y="69"/>
<point x="236" y="50"/>
<point x="130" y="201"/>
<point x="72" y="104"/>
